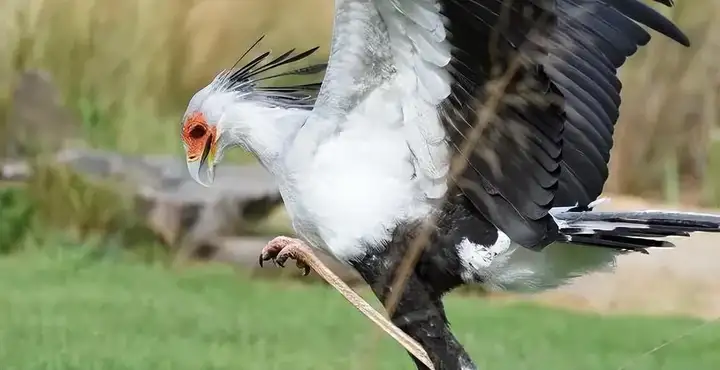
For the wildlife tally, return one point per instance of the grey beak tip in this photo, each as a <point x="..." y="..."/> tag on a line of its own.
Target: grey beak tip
<point x="201" y="173"/>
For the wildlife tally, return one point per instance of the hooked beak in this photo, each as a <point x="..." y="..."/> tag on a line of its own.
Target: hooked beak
<point x="202" y="169"/>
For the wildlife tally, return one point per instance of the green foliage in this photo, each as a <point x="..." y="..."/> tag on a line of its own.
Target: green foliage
<point x="16" y="218"/>
<point x="70" y="201"/>
<point x="57" y="199"/>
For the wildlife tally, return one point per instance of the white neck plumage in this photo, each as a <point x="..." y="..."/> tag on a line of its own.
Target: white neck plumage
<point x="265" y="130"/>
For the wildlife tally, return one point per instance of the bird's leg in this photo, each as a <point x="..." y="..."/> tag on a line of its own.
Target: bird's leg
<point x="419" y="311"/>
<point x="283" y="248"/>
<point x="421" y="315"/>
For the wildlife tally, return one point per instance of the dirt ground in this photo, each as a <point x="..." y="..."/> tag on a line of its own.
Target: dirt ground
<point x="680" y="281"/>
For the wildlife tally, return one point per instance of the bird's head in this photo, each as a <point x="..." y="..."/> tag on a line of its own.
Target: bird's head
<point x="235" y="110"/>
<point x="208" y="128"/>
<point x="200" y="138"/>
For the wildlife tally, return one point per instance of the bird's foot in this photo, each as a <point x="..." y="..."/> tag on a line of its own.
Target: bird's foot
<point x="282" y="248"/>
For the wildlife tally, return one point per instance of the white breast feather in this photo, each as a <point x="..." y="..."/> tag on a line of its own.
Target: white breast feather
<point x="390" y="159"/>
<point x="360" y="183"/>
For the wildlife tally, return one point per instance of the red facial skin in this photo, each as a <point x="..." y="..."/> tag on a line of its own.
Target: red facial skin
<point x="195" y="134"/>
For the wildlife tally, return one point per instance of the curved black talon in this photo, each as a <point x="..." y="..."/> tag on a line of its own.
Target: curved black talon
<point x="264" y="258"/>
<point x="302" y="266"/>
<point x="281" y="259"/>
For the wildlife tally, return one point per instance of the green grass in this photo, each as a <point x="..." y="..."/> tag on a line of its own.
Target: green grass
<point x="58" y="313"/>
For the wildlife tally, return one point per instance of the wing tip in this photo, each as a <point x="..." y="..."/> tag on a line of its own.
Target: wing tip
<point x="674" y="32"/>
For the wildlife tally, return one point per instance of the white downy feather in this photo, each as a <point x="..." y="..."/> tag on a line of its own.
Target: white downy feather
<point x="385" y="162"/>
<point x="508" y="266"/>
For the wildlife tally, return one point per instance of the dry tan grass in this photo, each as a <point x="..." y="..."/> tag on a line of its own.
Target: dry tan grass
<point x="670" y="105"/>
<point x="130" y="66"/>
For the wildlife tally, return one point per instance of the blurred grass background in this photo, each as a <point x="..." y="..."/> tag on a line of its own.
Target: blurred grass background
<point x="127" y="69"/>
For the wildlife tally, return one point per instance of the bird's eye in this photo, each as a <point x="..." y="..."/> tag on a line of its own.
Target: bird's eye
<point x="197" y="132"/>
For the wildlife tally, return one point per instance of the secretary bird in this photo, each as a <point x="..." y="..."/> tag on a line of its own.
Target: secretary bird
<point x="479" y="130"/>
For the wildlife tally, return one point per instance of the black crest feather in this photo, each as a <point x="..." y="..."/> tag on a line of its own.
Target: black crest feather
<point x="245" y="79"/>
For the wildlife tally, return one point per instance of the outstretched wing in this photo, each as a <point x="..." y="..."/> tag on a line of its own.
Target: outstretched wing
<point x="440" y="61"/>
<point x="592" y="40"/>
<point x="505" y="102"/>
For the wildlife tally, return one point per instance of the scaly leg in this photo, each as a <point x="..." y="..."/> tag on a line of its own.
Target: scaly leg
<point x="283" y="248"/>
